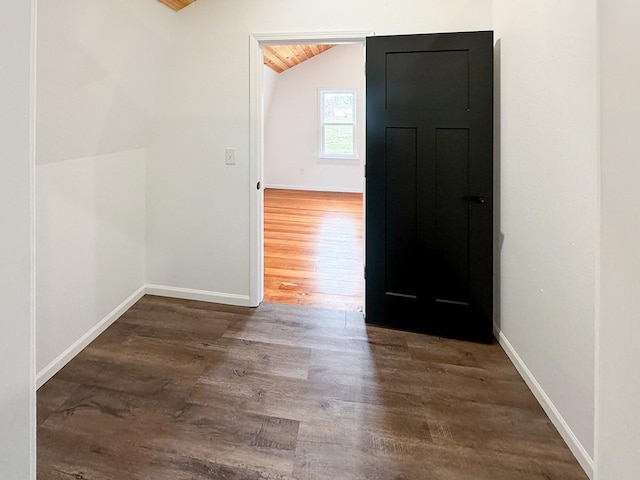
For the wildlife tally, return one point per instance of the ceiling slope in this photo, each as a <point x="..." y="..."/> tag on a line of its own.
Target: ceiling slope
<point x="177" y="4"/>
<point x="282" y="57"/>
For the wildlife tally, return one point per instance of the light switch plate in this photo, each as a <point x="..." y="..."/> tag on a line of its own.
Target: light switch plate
<point x="230" y="156"/>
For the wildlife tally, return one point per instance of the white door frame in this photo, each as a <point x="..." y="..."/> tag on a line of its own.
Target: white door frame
<point x="256" y="139"/>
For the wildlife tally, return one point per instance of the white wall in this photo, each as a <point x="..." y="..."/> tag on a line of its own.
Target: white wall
<point x="17" y="393"/>
<point x="198" y="208"/>
<point x="549" y="202"/>
<point x="618" y="433"/>
<point x="100" y="67"/>
<point x="90" y="244"/>
<point x="269" y="80"/>
<point x="292" y="124"/>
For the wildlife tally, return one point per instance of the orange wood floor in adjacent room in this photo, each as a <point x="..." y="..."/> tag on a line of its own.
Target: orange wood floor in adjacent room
<point x="313" y="249"/>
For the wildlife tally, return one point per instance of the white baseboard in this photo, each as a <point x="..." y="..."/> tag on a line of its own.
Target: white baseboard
<point x="584" y="459"/>
<point x="174" y="292"/>
<point x="65" y="357"/>
<point x="313" y="189"/>
<point x="202" y="295"/>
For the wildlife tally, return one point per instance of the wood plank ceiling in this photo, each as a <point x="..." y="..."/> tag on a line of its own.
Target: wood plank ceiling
<point x="282" y="57"/>
<point x="177" y="4"/>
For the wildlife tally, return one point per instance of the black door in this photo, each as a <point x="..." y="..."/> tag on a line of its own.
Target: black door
<point x="429" y="183"/>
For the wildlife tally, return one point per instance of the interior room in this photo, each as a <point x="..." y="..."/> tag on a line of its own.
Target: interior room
<point x="313" y="175"/>
<point x="129" y="263"/>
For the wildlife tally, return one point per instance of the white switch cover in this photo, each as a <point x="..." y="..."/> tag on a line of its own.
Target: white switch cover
<point x="230" y="156"/>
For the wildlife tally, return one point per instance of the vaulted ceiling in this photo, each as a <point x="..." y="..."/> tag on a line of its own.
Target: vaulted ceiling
<point x="282" y="57"/>
<point x="277" y="57"/>
<point x="177" y="4"/>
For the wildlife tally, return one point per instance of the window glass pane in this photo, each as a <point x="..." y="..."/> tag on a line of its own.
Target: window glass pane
<point x="338" y="107"/>
<point x="338" y="140"/>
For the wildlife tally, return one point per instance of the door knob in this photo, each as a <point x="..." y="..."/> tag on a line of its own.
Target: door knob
<point x="476" y="199"/>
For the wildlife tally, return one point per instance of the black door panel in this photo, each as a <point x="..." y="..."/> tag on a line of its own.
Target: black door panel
<point x="430" y="183"/>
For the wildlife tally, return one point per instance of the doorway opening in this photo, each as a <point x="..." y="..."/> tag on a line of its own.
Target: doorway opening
<point x="308" y="219"/>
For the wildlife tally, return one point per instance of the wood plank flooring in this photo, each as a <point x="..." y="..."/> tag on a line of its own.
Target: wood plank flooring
<point x="186" y="390"/>
<point x="313" y="249"/>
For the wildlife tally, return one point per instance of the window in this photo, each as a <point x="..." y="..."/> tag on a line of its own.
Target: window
<point x="338" y="123"/>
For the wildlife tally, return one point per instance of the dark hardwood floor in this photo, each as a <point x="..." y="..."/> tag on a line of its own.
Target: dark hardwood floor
<point x="185" y="390"/>
<point x="313" y="249"/>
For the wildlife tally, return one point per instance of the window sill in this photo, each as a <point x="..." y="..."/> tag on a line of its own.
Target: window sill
<point x="339" y="159"/>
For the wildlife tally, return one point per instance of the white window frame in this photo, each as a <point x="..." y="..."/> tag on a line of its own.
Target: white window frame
<point x="322" y="123"/>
